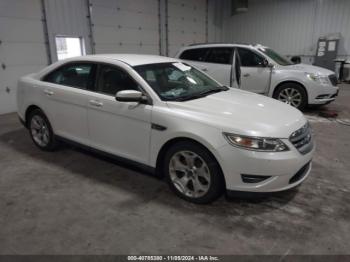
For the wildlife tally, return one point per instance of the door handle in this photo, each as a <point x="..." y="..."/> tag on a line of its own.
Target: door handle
<point x="96" y="103"/>
<point x="204" y="69"/>
<point x="48" y="92"/>
<point x="246" y="75"/>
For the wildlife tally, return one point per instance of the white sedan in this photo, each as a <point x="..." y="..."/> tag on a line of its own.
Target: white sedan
<point x="169" y="117"/>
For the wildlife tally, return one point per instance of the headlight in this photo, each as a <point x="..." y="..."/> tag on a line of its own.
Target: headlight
<point x="321" y="79"/>
<point x="256" y="143"/>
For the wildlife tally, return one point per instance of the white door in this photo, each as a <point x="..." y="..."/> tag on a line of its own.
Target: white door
<point x="186" y="24"/>
<point x="125" y="26"/>
<point x="120" y="128"/>
<point x="22" y="47"/>
<point x="216" y="62"/>
<point x="66" y="93"/>
<point x="219" y="64"/>
<point x="255" y="76"/>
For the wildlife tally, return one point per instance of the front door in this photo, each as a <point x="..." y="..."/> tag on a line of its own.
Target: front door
<point x="119" y="128"/>
<point x="255" y="76"/>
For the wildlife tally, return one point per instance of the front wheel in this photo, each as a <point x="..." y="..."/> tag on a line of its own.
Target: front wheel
<point x="292" y="94"/>
<point x="193" y="173"/>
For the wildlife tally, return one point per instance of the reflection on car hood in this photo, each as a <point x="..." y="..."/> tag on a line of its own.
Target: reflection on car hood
<point x="311" y="69"/>
<point x="243" y="113"/>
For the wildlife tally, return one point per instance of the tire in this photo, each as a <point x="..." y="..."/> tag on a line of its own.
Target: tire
<point x="292" y="94"/>
<point x="201" y="182"/>
<point x="40" y="131"/>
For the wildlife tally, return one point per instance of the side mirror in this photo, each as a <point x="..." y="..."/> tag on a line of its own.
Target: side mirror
<point x="130" y="96"/>
<point x="267" y="64"/>
<point x="296" y="59"/>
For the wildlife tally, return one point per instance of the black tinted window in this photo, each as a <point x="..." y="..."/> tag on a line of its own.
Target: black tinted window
<point x="197" y="54"/>
<point x="250" y="58"/>
<point x="113" y="80"/>
<point x="221" y="55"/>
<point x="80" y="75"/>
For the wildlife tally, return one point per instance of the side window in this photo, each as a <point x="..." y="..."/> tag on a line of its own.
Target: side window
<point x="113" y="80"/>
<point x="80" y="75"/>
<point x="250" y="58"/>
<point x="220" y="55"/>
<point x="197" y="54"/>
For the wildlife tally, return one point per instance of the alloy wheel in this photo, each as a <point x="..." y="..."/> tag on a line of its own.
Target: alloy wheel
<point x="40" y="131"/>
<point x="190" y="174"/>
<point x="290" y="96"/>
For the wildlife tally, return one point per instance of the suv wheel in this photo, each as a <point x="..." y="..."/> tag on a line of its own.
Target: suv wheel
<point x="40" y="131"/>
<point x="292" y="94"/>
<point x="193" y="173"/>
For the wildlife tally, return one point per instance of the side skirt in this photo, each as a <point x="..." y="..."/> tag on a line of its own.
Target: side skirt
<point x="121" y="160"/>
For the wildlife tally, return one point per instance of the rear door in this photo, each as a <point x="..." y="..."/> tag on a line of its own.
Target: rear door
<point x="66" y="92"/>
<point x="196" y="57"/>
<point x="255" y="76"/>
<point x="219" y="64"/>
<point x="215" y="61"/>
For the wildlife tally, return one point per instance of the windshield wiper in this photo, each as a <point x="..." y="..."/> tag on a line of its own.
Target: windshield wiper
<point x="202" y="94"/>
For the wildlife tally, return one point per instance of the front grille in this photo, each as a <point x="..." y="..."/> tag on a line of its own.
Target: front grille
<point x="333" y="79"/>
<point x="300" y="174"/>
<point x="302" y="139"/>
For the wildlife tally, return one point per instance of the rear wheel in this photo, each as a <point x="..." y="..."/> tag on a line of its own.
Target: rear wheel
<point x="40" y="131"/>
<point x="193" y="173"/>
<point x="292" y="94"/>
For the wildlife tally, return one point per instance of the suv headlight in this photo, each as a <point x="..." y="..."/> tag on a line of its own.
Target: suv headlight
<point x="256" y="143"/>
<point x="321" y="79"/>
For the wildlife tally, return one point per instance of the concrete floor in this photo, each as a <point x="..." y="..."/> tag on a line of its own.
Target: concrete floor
<point x="72" y="202"/>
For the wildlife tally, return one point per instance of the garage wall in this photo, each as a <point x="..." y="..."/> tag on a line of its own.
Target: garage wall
<point x="22" y="46"/>
<point x="292" y="27"/>
<point x="215" y="21"/>
<point x="67" y="18"/>
<point x="187" y="23"/>
<point x="117" y="26"/>
<point x="123" y="26"/>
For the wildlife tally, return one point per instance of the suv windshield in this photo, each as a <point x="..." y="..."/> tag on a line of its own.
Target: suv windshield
<point x="275" y="56"/>
<point x="178" y="81"/>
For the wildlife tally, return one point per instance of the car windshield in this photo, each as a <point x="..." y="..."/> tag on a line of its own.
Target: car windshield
<point x="178" y="81"/>
<point x="279" y="59"/>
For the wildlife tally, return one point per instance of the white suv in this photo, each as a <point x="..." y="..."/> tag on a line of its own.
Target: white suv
<point x="265" y="72"/>
<point x="170" y="118"/>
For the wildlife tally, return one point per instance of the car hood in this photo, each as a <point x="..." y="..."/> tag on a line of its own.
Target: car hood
<point x="242" y="112"/>
<point x="311" y="69"/>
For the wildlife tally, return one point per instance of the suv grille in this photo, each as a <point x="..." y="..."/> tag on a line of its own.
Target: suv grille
<point x="333" y="79"/>
<point x="302" y="139"/>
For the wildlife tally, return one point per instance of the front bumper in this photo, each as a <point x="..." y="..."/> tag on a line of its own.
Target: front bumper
<point x="285" y="169"/>
<point x="319" y="94"/>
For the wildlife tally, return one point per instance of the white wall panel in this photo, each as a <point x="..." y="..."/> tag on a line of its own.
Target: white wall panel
<point x="215" y="20"/>
<point x="334" y="17"/>
<point x="67" y="18"/>
<point x="292" y="27"/>
<point x="187" y="23"/>
<point x="22" y="47"/>
<point x="121" y="26"/>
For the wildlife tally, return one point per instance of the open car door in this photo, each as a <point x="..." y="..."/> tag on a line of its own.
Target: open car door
<point x="235" y="77"/>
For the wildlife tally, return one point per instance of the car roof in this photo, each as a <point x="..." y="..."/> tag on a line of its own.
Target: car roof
<point x="130" y="59"/>
<point x="206" y="45"/>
